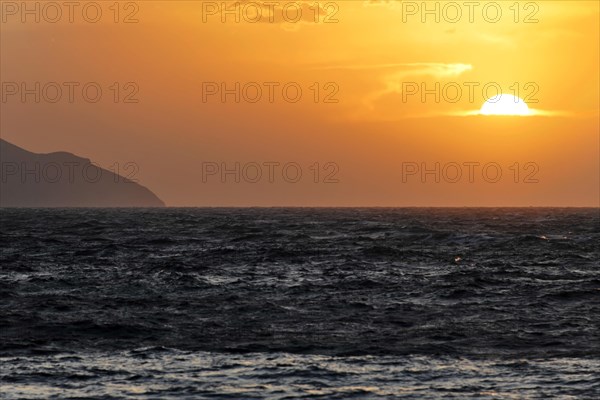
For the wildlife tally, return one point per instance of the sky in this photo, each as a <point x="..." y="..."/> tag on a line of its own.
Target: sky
<point x="343" y="103"/>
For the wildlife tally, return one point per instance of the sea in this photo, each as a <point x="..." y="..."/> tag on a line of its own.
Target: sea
<point x="300" y="303"/>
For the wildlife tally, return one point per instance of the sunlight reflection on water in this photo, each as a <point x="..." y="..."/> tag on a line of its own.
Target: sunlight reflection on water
<point x="169" y="373"/>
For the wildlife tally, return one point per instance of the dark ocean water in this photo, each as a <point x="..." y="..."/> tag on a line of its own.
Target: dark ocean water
<point x="300" y="303"/>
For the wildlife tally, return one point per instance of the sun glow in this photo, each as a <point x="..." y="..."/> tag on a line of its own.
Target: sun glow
<point x="505" y="104"/>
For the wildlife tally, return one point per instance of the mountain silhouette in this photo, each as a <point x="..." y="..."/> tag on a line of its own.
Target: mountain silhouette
<point x="63" y="179"/>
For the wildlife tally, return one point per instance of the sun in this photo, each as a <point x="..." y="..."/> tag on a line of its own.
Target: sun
<point x="505" y="104"/>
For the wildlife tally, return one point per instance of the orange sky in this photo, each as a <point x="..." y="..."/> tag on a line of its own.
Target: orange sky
<point x="373" y="131"/>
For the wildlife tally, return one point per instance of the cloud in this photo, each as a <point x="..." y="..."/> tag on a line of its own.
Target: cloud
<point x="392" y="81"/>
<point x="379" y="3"/>
<point x="533" y="112"/>
<point x="434" y="69"/>
<point x="290" y="14"/>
